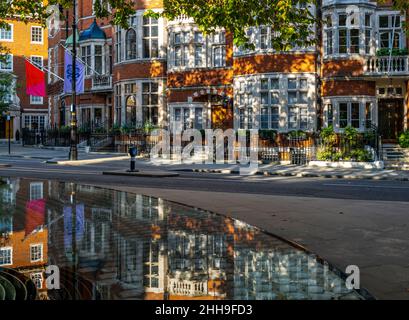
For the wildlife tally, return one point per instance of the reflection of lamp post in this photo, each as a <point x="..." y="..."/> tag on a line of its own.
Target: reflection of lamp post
<point x="73" y="135"/>
<point x="74" y="239"/>
<point x="9" y="134"/>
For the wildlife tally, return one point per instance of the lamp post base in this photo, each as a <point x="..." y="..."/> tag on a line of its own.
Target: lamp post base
<point x="73" y="153"/>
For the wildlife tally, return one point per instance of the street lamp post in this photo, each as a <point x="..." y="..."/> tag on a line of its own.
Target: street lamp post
<point x="74" y="133"/>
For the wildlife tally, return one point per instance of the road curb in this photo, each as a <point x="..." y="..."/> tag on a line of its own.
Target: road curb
<point x="86" y="161"/>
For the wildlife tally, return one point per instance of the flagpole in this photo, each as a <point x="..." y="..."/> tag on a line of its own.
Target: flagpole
<point x="74" y="137"/>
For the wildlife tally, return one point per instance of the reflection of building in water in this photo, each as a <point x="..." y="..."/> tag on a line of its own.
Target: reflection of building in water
<point x="267" y="268"/>
<point x="23" y="238"/>
<point x="199" y="252"/>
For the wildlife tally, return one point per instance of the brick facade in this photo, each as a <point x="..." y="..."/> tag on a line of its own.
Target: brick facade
<point x="190" y="75"/>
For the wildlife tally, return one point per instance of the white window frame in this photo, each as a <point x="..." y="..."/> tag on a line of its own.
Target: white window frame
<point x="270" y="105"/>
<point x="190" y="122"/>
<point x="36" y="100"/>
<point x="362" y="100"/>
<point x="36" y="184"/>
<point x="11" y="63"/>
<point x="11" y="255"/>
<point x="365" y="48"/>
<point x="37" y="276"/>
<point x="398" y="30"/>
<point x="11" y="31"/>
<point x="150" y="38"/>
<point x="37" y="246"/>
<point x="298" y="105"/>
<point x="42" y="35"/>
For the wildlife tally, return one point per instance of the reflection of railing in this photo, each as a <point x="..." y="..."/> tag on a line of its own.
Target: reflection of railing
<point x="187" y="288"/>
<point x="395" y="65"/>
<point x="101" y="82"/>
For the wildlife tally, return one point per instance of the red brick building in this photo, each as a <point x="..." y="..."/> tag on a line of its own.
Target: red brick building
<point x="167" y="73"/>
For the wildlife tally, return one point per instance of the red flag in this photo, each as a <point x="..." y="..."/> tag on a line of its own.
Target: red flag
<point x="35" y="81"/>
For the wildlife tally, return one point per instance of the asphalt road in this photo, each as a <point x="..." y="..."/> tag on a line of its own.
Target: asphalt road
<point x="215" y="182"/>
<point x="347" y="222"/>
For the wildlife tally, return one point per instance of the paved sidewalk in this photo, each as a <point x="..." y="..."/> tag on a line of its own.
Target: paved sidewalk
<point x="53" y="155"/>
<point x="59" y="156"/>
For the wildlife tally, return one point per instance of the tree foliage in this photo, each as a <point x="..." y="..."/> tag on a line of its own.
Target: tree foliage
<point x="6" y="88"/>
<point x="291" y="20"/>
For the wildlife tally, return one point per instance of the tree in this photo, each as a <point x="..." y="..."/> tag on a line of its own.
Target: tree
<point x="6" y="89"/>
<point x="291" y="20"/>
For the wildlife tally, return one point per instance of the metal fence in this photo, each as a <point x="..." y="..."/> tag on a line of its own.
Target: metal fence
<point x="282" y="148"/>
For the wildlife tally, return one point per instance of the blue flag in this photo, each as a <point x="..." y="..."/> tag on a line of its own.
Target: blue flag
<point x="79" y="74"/>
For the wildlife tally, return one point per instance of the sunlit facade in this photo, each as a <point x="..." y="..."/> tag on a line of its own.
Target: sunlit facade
<point x="169" y="74"/>
<point x="23" y="41"/>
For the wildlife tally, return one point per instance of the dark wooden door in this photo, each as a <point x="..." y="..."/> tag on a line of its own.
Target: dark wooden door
<point x="390" y="118"/>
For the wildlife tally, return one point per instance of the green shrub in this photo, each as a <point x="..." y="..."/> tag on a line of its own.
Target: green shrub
<point x="125" y="129"/>
<point x="324" y="155"/>
<point x="350" y="133"/>
<point x="404" y="139"/>
<point x="328" y="135"/>
<point x="360" y="155"/>
<point x="297" y="134"/>
<point x="267" y="134"/>
<point x="395" y="52"/>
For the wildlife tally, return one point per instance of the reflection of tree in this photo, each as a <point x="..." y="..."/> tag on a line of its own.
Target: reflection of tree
<point x="7" y="206"/>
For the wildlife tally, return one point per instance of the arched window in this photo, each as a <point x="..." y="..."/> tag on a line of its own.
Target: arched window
<point x="130" y="44"/>
<point x="131" y="111"/>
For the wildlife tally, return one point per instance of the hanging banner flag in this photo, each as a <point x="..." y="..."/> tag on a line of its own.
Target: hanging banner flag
<point x="79" y="74"/>
<point x="35" y="80"/>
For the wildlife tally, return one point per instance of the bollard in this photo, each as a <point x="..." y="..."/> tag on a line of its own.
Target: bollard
<point x="133" y="152"/>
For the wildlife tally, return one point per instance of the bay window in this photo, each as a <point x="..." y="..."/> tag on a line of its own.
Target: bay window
<point x="244" y="98"/>
<point x="329" y="39"/>
<point x="347" y="32"/>
<point x="118" y="45"/>
<point x="150" y="102"/>
<point x="270" y="103"/>
<point x="198" y="40"/>
<point x="368" y="33"/>
<point x="357" y="113"/>
<point x="93" y="55"/>
<point x="98" y="56"/>
<point x="150" y="43"/>
<point x="130" y="44"/>
<point x="181" y="49"/>
<point x="86" y="57"/>
<point x="219" y="49"/>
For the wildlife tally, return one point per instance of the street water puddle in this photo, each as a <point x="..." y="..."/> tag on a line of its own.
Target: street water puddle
<point x="87" y="243"/>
